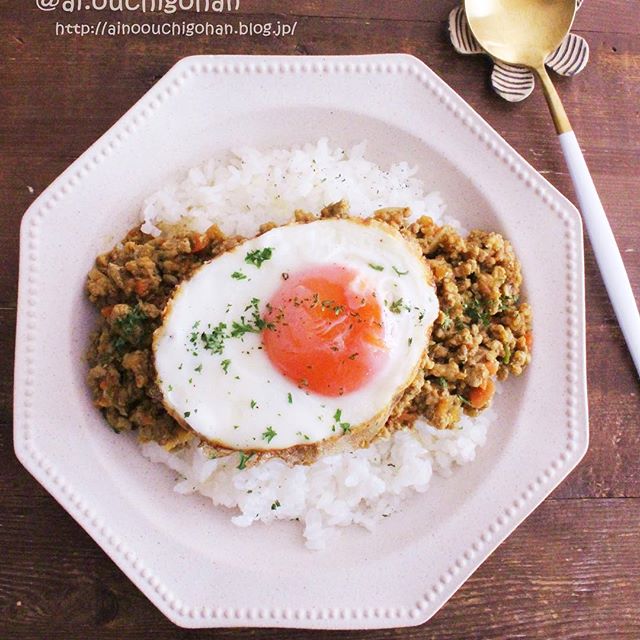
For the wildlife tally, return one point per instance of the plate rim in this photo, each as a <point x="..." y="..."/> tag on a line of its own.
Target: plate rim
<point x="45" y="472"/>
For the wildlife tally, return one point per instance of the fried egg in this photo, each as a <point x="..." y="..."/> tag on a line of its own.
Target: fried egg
<point x="299" y="336"/>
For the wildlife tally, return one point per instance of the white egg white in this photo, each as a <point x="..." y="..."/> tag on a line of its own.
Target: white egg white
<point x="226" y="389"/>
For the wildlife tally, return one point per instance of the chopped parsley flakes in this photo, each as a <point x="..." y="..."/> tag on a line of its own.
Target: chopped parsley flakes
<point x="290" y="398"/>
<point x="478" y="312"/>
<point x="398" y="306"/>
<point x="225" y="366"/>
<point x="376" y="267"/>
<point x="238" y="275"/>
<point x="257" y="257"/>
<point x="244" y="458"/>
<point x="464" y="400"/>
<point x="128" y="324"/>
<point x="214" y="340"/>
<point x="400" y="273"/>
<point x="337" y="417"/>
<point x="269" y="434"/>
<point x="254" y="324"/>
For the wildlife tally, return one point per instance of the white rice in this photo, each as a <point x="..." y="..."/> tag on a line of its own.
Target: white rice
<point x="239" y="193"/>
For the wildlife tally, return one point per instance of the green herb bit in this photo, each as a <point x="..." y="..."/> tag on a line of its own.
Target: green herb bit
<point x="239" y="329"/>
<point x="170" y="387"/>
<point x="275" y="505"/>
<point x="259" y="256"/>
<point x="376" y="267"/>
<point x="337" y="415"/>
<point x="119" y="344"/>
<point x="199" y="368"/>
<point x="400" y="273"/>
<point x="187" y="414"/>
<point x="238" y="275"/>
<point x="129" y="323"/>
<point x="477" y="312"/>
<point x="397" y="306"/>
<point x="506" y="358"/>
<point x="410" y="341"/>
<point x="345" y="426"/>
<point x="254" y="325"/>
<point x="254" y="404"/>
<point x="244" y="458"/>
<point x="214" y="340"/>
<point x="353" y="356"/>
<point x="290" y="398"/>
<point x="225" y="366"/>
<point x="464" y="400"/>
<point x="196" y="324"/>
<point x="508" y="301"/>
<point x="443" y="382"/>
<point x="269" y="434"/>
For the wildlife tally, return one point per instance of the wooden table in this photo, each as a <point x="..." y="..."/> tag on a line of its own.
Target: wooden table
<point x="573" y="568"/>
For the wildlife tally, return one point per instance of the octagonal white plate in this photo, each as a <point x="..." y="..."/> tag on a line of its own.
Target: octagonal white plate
<point x="191" y="562"/>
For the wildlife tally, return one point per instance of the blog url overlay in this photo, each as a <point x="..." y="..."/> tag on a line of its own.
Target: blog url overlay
<point x="143" y="6"/>
<point x="115" y="29"/>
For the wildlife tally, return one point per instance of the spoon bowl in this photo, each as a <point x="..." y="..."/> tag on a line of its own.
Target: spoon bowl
<point x="520" y="32"/>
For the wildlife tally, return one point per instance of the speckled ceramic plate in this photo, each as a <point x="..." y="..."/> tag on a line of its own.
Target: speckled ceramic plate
<point x="188" y="558"/>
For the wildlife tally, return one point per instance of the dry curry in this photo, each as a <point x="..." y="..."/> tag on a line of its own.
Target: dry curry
<point x="483" y="330"/>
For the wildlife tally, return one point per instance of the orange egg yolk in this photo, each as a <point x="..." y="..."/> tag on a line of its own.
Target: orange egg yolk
<point x="323" y="333"/>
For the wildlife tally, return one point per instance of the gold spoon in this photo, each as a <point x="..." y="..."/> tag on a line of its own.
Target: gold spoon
<point x="525" y="33"/>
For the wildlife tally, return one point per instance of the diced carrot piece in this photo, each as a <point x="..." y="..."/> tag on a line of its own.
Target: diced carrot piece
<point x="199" y="241"/>
<point x="407" y="417"/>
<point x="214" y="234"/>
<point x="481" y="396"/>
<point x="528" y="338"/>
<point x="492" y="366"/>
<point x="106" y="312"/>
<point x="141" y="287"/>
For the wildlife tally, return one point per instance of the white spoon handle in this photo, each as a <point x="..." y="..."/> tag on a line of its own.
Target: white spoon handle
<point x="604" y="246"/>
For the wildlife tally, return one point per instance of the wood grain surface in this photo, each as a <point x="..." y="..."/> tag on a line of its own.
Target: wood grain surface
<point x="572" y="570"/>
